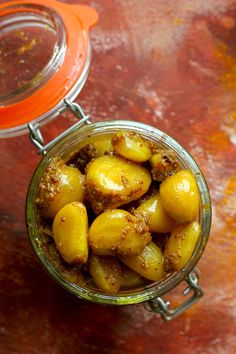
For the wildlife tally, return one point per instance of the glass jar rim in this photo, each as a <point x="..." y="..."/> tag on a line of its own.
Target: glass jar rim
<point x="156" y="289"/>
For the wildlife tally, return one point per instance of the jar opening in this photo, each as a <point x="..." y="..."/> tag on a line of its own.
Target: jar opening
<point x="32" y="47"/>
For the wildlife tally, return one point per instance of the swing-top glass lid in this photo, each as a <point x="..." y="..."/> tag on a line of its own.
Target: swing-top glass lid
<point x="44" y="57"/>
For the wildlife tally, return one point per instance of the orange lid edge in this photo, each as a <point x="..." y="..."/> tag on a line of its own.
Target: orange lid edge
<point x="88" y="16"/>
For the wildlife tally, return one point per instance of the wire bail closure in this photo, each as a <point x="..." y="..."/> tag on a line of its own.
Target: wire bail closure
<point x="158" y="305"/>
<point x="36" y="135"/>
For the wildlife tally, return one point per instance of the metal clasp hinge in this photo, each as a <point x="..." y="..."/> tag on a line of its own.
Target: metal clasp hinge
<point x="158" y="305"/>
<point x="36" y="135"/>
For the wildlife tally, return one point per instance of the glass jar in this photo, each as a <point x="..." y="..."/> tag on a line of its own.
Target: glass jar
<point x="38" y="87"/>
<point x="152" y="293"/>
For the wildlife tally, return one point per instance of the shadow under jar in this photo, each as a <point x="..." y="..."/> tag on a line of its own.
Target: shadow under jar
<point x="150" y="293"/>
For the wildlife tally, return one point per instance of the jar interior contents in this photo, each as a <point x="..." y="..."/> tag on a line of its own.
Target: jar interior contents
<point x="118" y="214"/>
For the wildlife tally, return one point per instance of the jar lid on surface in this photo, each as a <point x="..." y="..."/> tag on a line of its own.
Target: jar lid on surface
<point x="44" y="57"/>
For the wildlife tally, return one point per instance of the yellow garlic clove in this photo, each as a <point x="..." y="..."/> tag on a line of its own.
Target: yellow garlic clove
<point x="113" y="181"/>
<point x="117" y="232"/>
<point x="106" y="273"/>
<point x="131" y="146"/>
<point x="180" y="196"/>
<point x="180" y="246"/>
<point x="60" y="185"/>
<point x="131" y="279"/>
<point x="70" y="232"/>
<point x="149" y="263"/>
<point x="158" y="219"/>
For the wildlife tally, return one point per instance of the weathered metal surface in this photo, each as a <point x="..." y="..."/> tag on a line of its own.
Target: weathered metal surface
<point x="171" y="64"/>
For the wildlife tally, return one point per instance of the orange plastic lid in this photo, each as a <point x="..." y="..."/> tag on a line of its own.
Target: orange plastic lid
<point x="44" y="51"/>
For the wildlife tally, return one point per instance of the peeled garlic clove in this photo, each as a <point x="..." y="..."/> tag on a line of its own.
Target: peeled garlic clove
<point x="117" y="232"/>
<point x="149" y="264"/>
<point x="70" y="232"/>
<point x="106" y="273"/>
<point x="112" y="181"/>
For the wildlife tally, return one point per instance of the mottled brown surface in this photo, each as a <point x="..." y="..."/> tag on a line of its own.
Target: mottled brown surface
<point x="171" y="64"/>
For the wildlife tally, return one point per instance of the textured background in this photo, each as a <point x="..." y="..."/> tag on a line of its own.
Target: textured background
<point x="171" y="64"/>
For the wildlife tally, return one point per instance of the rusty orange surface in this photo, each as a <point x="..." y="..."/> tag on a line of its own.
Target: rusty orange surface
<point x="171" y="64"/>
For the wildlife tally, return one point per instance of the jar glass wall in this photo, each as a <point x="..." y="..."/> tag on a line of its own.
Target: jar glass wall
<point x="64" y="148"/>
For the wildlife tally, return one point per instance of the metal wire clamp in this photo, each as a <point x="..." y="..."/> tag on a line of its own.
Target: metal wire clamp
<point x="158" y="305"/>
<point x="36" y="135"/>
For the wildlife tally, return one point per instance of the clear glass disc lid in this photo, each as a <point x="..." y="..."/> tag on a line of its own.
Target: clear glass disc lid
<point x="32" y="46"/>
<point x="44" y="58"/>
